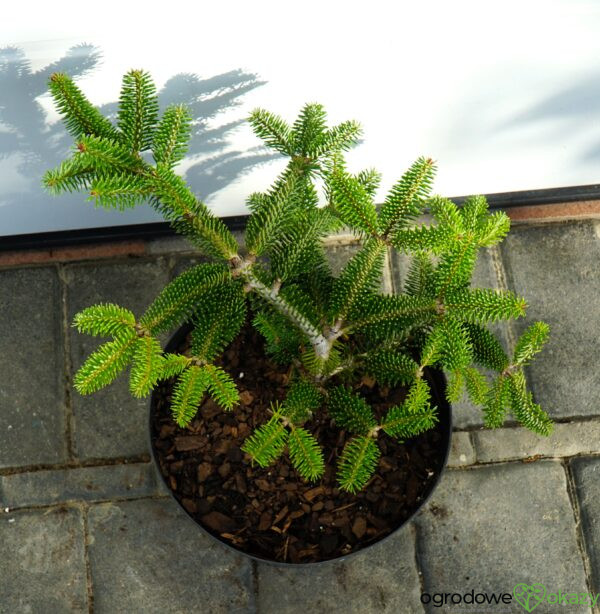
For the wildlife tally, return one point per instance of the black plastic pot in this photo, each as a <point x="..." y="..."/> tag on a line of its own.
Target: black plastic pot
<point x="437" y="383"/>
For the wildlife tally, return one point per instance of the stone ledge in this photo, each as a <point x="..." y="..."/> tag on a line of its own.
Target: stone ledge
<point x="557" y="212"/>
<point x="462" y="452"/>
<point x="568" y="439"/>
<point x="90" y="251"/>
<point x="50" y="487"/>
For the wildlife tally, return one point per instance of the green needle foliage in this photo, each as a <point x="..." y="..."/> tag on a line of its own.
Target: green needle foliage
<point x="358" y="463"/>
<point x="328" y="331"/>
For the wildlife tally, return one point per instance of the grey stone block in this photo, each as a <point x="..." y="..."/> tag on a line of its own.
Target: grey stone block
<point x="491" y="528"/>
<point x="586" y="472"/>
<point x="147" y="556"/>
<point x="183" y="263"/>
<point x="340" y="249"/>
<point x="382" y="579"/>
<point x="32" y="414"/>
<point x="42" y="563"/>
<point x="110" y="422"/>
<point x="169" y="245"/>
<point x="555" y="267"/>
<point x="81" y="484"/>
<point x="339" y="253"/>
<point x="462" y="452"/>
<point x="567" y="439"/>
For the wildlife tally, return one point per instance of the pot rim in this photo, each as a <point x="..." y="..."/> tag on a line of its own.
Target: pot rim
<point x="437" y="383"/>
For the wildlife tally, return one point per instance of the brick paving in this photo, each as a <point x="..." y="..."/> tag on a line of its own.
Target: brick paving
<point x="86" y="526"/>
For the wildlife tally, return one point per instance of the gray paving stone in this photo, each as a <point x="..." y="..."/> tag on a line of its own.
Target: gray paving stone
<point x="32" y="414"/>
<point x="586" y="472"/>
<point x="567" y="439"/>
<point x="493" y="527"/>
<point x="169" y="245"/>
<point x="81" y="484"/>
<point x="110" y="422"/>
<point x="178" y="244"/>
<point x="147" y="556"/>
<point x="42" y="567"/>
<point x="555" y="267"/>
<point x="462" y="452"/>
<point x="382" y="579"/>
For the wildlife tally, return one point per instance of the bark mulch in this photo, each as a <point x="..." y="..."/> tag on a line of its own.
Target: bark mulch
<point x="271" y="512"/>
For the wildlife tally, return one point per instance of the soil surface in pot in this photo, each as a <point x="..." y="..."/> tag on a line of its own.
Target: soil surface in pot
<point x="272" y="512"/>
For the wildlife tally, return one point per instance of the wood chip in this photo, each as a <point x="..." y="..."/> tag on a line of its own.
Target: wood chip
<point x="265" y="521"/>
<point x="359" y="527"/>
<point x="204" y="470"/>
<point x="281" y="515"/>
<point x="210" y="409"/>
<point x="184" y="443"/>
<point x="246" y="397"/>
<point x="263" y="485"/>
<point x="166" y="430"/>
<point x="219" y="522"/>
<point x="224" y="470"/>
<point x="189" y="505"/>
<point x="309" y="495"/>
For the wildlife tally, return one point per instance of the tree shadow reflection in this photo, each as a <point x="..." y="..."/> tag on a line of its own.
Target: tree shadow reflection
<point x="29" y="145"/>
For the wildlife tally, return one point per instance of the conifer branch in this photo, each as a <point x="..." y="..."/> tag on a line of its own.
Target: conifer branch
<point x="221" y="386"/>
<point x="267" y="442"/>
<point x="147" y="366"/>
<point x="302" y="399"/>
<point x="103" y="366"/>
<point x="104" y="319"/>
<point x="138" y="110"/>
<point x="391" y="367"/>
<point x="187" y="394"/>
<point x="527" y="412"/>
<point x="79" y="115"/>
<point x="530" y="343"/>
<point x="353" y="203"/>
<point x="181" y="297"/>
<point x="357" y="463"/>
<point x="273" y="130"/>
<point x="274" y="297"/>
<point x="350" y="411"/>
<point x="172" y="135"/>
<point x="360" y="277"/>
<point x="496" y="402"/>
<point x="405" y="201"/>
<point x="305" y="453"/>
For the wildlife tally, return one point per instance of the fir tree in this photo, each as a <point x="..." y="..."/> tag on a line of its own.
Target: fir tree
<point x="325" y="327"/>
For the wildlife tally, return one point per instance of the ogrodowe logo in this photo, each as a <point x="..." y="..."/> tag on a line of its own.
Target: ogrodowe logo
<point x="529" y="596"/>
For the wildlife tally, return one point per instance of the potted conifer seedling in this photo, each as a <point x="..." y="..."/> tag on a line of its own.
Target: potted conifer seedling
<point x="297" y="416"/>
